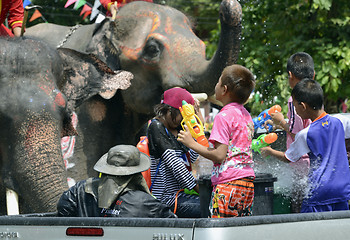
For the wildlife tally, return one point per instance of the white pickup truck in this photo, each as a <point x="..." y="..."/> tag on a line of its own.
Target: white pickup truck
<point x="308" y="226"/>
<point x="264" y="225"/>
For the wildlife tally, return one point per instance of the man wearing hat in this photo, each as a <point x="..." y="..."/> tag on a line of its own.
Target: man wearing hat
<point x="121" y="191"/>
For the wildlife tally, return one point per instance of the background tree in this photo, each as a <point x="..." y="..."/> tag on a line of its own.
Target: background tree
<point x="273" y="30"/>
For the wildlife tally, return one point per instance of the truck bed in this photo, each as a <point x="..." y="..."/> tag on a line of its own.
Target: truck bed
<point x="326" y="225"/>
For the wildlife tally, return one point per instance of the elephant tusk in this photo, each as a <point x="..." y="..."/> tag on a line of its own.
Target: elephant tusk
<point x="213" y="100"/>
<point x="108" y="94"/>
<point x="12" y="202"/>
<point x="200" y="96"/>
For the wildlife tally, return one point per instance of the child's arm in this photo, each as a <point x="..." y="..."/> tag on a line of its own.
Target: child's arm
<point x="278" y="119"/>
<point x="216" y="154"/>
<point x="268" y="151"/>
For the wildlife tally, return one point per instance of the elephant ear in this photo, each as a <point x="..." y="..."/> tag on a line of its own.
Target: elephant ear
<point x="104" y="44"/>
<point x="85" y="76"/>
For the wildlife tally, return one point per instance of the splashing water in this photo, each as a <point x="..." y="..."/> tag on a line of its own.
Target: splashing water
<point x="285" y="173"/>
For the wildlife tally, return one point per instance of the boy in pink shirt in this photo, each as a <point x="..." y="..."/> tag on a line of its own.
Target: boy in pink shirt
<point x="231" y="137"/>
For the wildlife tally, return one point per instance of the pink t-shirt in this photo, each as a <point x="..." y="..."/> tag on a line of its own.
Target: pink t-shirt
<point x="233" y="126"/>
<point x="296" y="124"/>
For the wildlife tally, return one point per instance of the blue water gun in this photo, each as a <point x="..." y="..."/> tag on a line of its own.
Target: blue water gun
<point x="265" y="115"/>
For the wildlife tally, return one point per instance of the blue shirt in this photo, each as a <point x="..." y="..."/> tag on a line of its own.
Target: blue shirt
<point x="329" y="174"/>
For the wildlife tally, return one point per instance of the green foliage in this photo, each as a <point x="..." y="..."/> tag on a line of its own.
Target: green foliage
<point x="273" y="30"/>
<point x="203" y="14"/>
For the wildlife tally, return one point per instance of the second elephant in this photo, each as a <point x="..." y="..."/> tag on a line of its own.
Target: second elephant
<point x="39" y="88"/>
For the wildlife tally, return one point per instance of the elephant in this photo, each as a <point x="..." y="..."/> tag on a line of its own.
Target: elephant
<point x="40" y="87"/>
<point x="157" y="45"/>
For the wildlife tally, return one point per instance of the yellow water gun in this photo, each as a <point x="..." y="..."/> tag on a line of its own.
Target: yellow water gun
<point x="193" y="123"/>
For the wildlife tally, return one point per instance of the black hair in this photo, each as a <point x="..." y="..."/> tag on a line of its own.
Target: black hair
<point x="310" y="92"/>
<point x="161" y="109"/>
<point x="240" y="82"/>
<point x="301" y="65"/>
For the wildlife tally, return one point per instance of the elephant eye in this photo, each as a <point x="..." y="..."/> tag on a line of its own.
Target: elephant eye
<point x="152" y="50"/>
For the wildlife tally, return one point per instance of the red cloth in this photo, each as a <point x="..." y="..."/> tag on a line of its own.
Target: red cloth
<point x="4" y="31"/>
<point x="13" y="10"/>
<point x="120" y="3"/>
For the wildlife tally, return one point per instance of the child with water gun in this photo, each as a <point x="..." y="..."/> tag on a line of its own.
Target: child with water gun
<point x="230" y="148"/>
<point x="328" y="185"/>
<point x="170" y="159"/>
<point x="300" y="65"/>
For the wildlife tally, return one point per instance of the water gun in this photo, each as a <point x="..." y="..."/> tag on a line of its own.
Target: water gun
<point x="193" y="123"/>
<point x="263" y="140"/>
<point x="190" y="192"/>
<point x="265" y="115"/>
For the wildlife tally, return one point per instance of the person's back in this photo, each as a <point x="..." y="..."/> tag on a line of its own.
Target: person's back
<point x="300" y="65"/>
<point x="231" y="139"/>
<point x="134" y="203"/>
<point x="121" y="190"/>
<point x="237" y="122"/>
<point x="329" y="176"/>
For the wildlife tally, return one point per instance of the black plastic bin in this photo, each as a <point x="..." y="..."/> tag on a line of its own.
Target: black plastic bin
<point x="263" y="194"/>
<point x="205" y="190"/>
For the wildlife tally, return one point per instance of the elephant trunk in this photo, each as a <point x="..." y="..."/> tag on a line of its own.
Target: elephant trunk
<point x="228" y="48"/>
<point x="38" y="171"/>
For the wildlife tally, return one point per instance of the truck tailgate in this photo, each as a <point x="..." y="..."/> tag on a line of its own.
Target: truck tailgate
<point x="31" y="227"/>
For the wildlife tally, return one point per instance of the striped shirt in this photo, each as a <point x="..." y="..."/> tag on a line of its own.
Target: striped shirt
<point x="173" y="173"/>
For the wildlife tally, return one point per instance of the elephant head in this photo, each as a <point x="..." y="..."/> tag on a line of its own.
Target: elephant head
<point x="156" y="43"/>
<point x="39" y="88"/>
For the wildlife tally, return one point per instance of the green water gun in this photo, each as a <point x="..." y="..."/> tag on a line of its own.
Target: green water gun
<point x="263" y="140"/>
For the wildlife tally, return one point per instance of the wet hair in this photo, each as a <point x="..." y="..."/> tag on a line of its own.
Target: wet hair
<point x="161" y="109"/>
<point x="240" y="82"/>
<point x="310" y="92"/>
<point x="301" y="65"/>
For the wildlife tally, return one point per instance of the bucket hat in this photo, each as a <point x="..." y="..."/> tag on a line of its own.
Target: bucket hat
<point x="174" y="97"/>
<point x="123" y="160"/>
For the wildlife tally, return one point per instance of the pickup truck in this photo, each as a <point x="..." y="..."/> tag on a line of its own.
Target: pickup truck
<point x="263" y="225"/>
<point x="326" y="225"/>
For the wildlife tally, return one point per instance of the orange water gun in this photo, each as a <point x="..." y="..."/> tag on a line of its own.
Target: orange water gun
<point x="193" y="123"/>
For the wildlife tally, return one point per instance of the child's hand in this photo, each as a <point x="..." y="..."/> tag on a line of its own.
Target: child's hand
<point x="185" y="137"/>
<point x="277" y="118"/>
<point x="267" y="123"/>
<point x="265" y="151"/>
